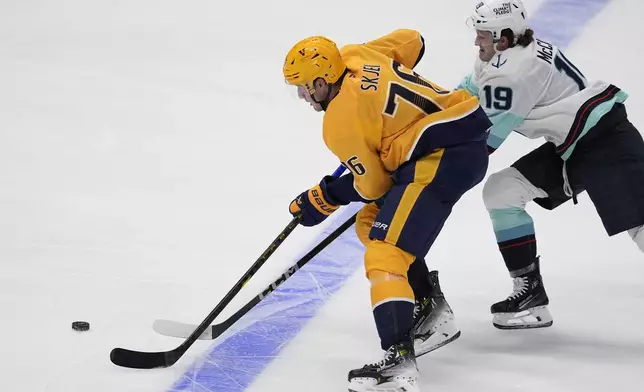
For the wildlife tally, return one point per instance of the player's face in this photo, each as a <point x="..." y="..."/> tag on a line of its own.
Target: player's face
<point x="486" y="45"/>
<point x="304" y="94"/>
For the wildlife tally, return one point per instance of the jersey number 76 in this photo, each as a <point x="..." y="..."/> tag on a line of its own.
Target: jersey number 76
<point x="398" y="90"/>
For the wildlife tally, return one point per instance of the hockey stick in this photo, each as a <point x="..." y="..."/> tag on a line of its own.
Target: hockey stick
<point x="181" y="330"/>
<point x="160" y="359"/>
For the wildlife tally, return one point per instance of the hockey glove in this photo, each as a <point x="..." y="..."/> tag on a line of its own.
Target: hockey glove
<point x="313" y="205"/>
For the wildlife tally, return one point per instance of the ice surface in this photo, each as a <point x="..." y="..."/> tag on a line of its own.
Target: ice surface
<point x="148" y="152"/>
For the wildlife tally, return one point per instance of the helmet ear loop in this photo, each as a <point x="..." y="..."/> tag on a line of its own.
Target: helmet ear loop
<point x="324" y="102"/>
<point x="330" y="87"/>
<point x="311" y="91"/>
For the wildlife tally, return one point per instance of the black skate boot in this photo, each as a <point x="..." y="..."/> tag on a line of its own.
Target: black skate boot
<point x="434" y="324"/>
<point x="397" y="372"/>
<point x="527" y="306"/>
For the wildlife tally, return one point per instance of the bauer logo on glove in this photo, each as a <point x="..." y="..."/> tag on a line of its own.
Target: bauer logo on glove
<point x="313" y="205"/>
<point x="321" y="203"/>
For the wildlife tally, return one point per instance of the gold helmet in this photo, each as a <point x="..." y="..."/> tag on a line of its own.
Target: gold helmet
<point x="312" y="58"/>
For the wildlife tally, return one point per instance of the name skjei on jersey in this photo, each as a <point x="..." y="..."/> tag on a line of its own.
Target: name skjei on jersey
<point x="370" y="77"/>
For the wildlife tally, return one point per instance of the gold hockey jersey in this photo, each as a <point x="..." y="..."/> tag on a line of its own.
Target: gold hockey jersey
<point x="385" y="114"/>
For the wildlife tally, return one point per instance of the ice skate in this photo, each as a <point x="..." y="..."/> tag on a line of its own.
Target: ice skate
<point x="527" y="306"/>
<point x="397" y="372"/>
<point x="434" y="324"/>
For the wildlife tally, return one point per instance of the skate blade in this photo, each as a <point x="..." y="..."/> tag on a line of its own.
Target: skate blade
<point x="538" y="317"/>
<point x="392" y="386"/>
<point x="445" y="332"/>
<point x="433" y="344"/>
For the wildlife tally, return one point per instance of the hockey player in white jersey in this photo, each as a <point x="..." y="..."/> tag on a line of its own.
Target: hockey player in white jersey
<point x="528" y="86"/>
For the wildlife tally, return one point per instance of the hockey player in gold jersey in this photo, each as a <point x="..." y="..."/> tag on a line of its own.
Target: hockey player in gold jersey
<point x="413" y="149"/>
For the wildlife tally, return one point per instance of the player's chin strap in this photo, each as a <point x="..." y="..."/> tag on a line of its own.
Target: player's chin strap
<point x="327" y="99"/>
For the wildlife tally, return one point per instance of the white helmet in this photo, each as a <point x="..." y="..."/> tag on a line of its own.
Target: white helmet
<point x="496" y="15"/>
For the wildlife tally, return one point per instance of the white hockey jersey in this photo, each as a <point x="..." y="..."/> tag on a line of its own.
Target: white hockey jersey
<point x="537" y="92"/>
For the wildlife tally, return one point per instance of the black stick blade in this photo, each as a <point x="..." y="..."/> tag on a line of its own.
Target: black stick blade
<point x="142" y="360"/>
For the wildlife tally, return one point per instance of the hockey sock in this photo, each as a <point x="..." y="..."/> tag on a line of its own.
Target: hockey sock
<point x="392" y="298"/>
<point x="514" y="230"/>
<point x="418" y="276"/>
<point x="393" y="307"/>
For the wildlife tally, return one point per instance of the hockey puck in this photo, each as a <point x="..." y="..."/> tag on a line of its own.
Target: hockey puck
<point x="80" y="326"/>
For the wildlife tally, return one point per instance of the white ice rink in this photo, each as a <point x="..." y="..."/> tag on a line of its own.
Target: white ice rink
<point x="148" y="153"/>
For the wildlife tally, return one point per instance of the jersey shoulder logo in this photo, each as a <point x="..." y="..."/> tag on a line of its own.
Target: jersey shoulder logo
<point x="499" y="64"/>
